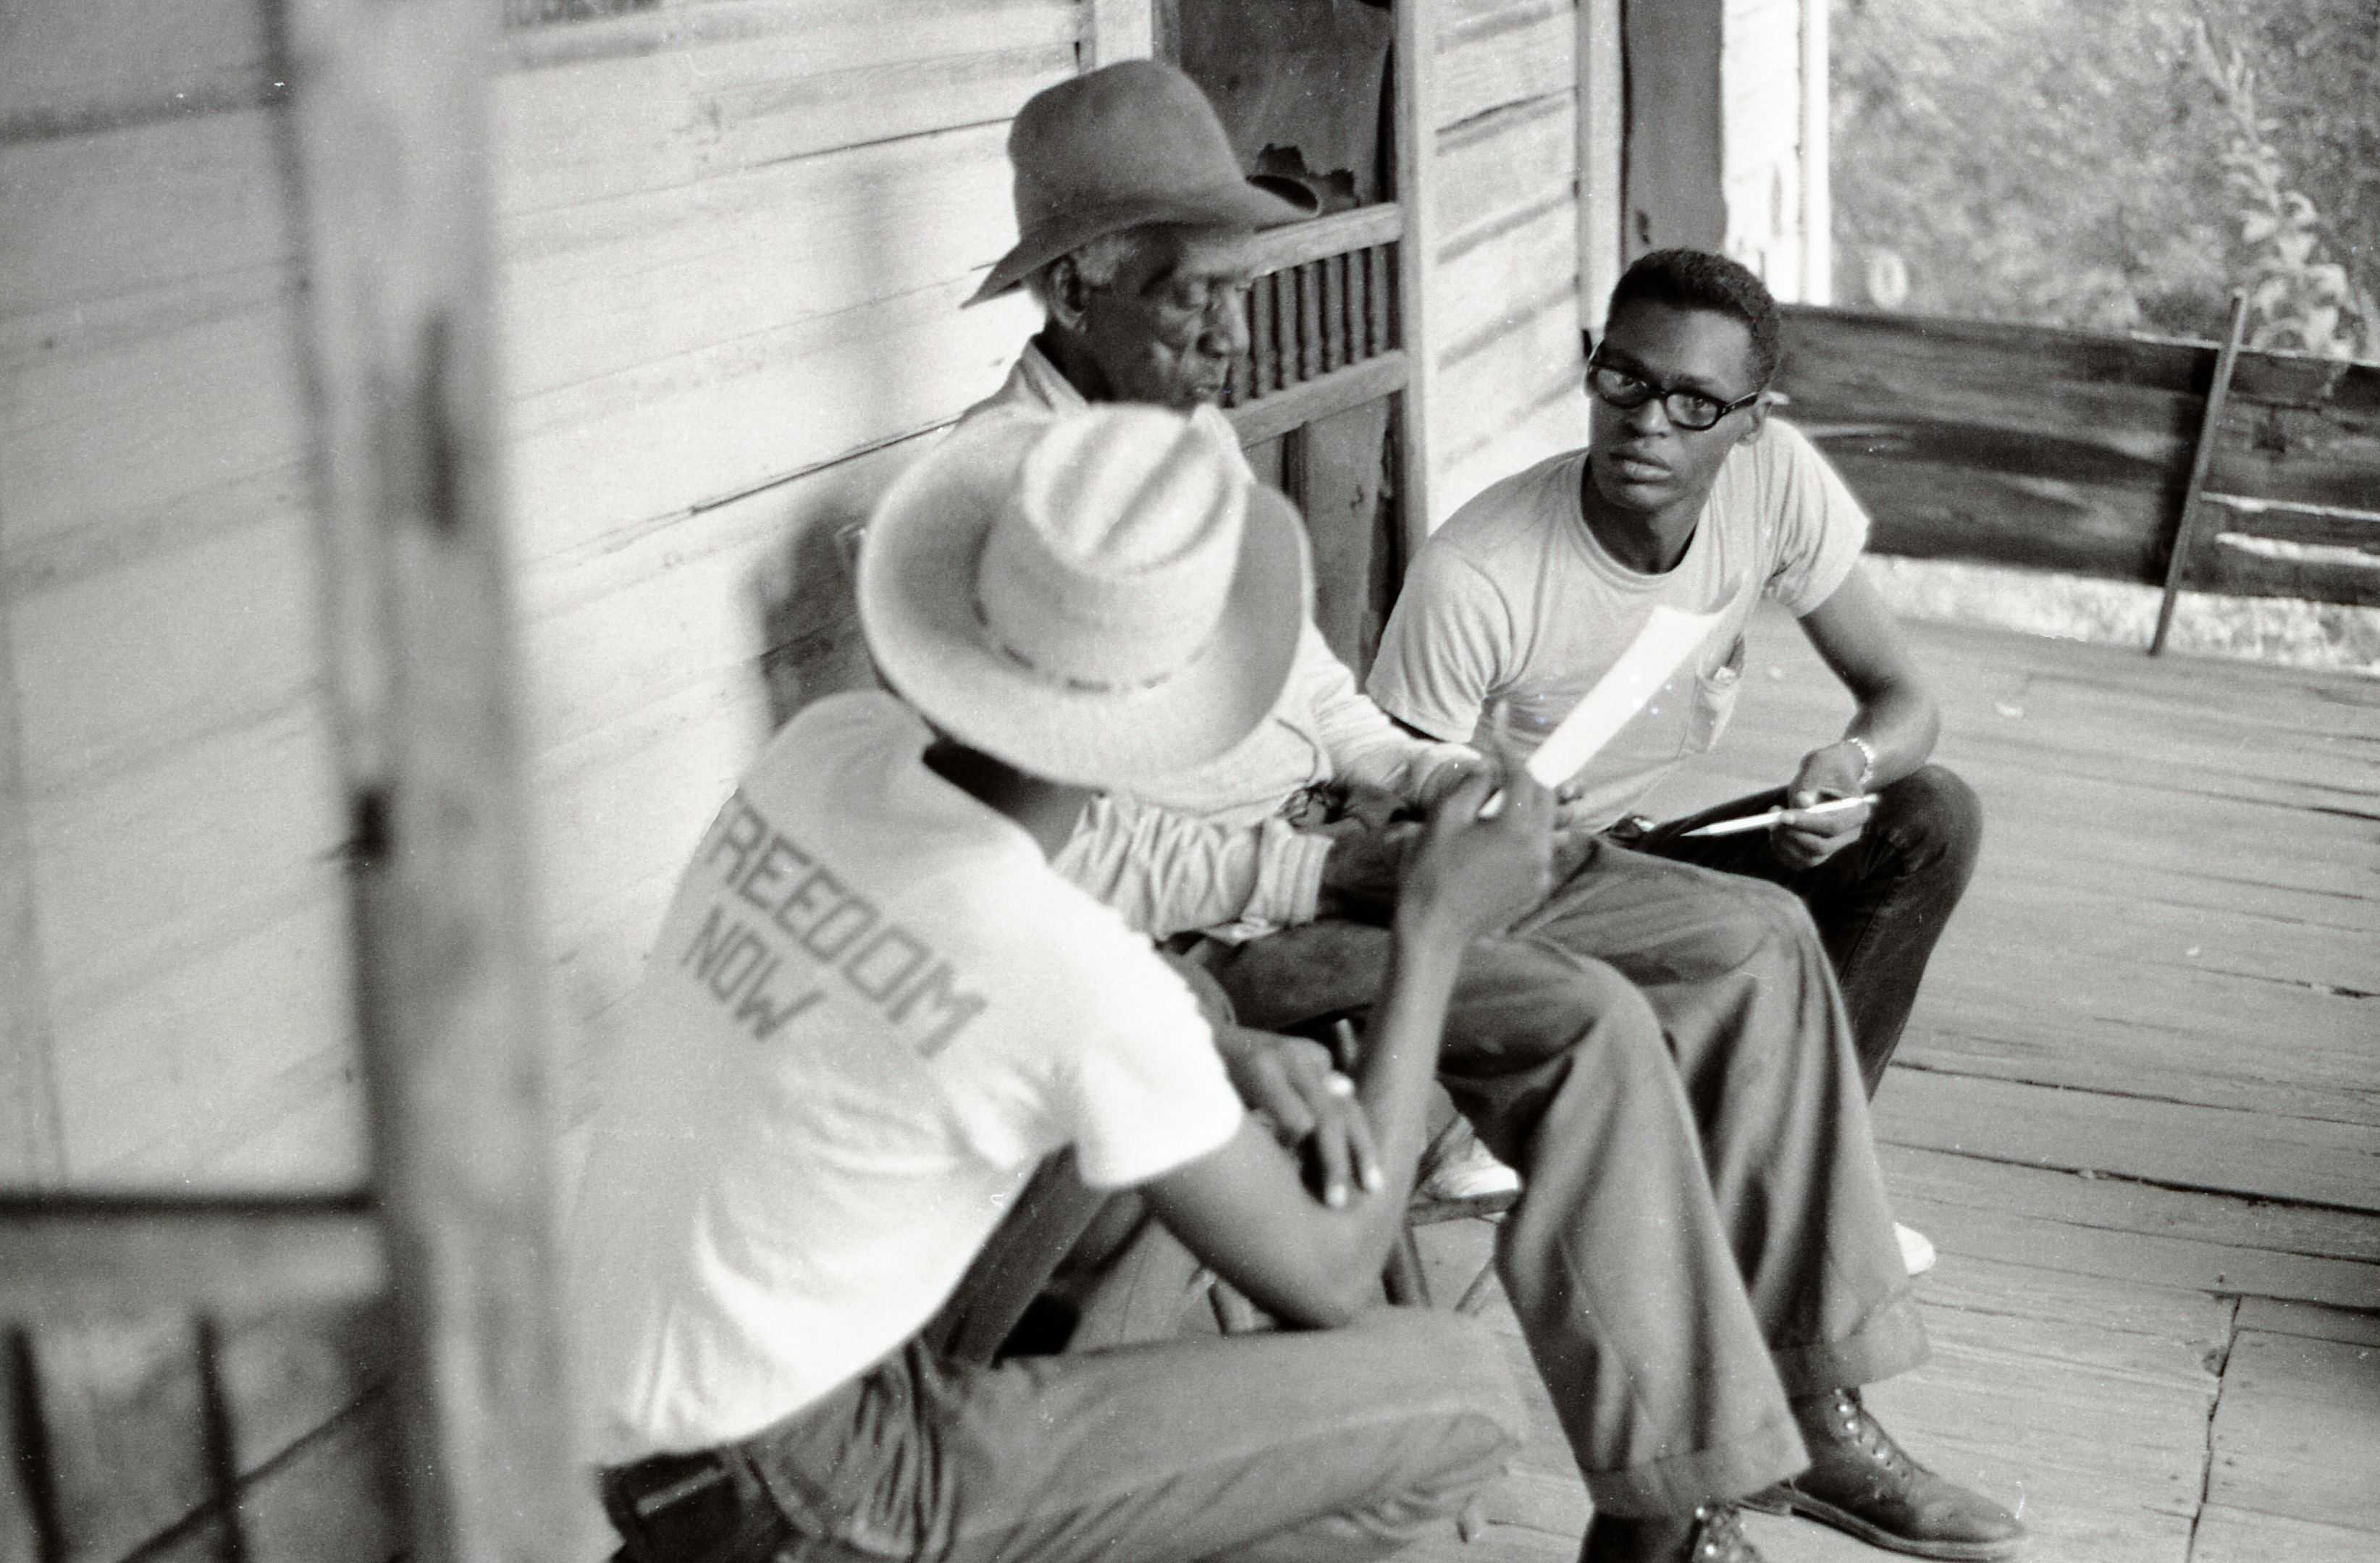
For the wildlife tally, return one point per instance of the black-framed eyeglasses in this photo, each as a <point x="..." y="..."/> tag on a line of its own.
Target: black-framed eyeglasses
<point x="1689" y="411"/>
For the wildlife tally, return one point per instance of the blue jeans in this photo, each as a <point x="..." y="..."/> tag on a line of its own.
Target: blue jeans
<point x="1328" y="1447"/>
<point x="1880" y="904"/>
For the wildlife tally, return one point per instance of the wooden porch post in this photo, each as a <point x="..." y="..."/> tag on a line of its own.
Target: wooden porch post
<point x="1416" y="53"/>
<point x="391" y="167"/>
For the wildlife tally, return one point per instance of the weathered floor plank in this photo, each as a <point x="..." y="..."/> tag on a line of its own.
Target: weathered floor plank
<point x="2238" y="1535"/>
<point x="2298" y="1432"/>
<point x="2311" y="1162"/>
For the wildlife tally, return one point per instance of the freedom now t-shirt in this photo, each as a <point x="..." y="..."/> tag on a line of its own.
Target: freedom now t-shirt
<point x="1515" y="599"/>
<point x="871" y="1012"/>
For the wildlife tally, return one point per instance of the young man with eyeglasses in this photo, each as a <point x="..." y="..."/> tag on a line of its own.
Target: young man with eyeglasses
<point x="1689" y="495"/>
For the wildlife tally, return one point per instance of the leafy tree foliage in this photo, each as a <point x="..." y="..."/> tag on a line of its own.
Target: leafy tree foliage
<point x="2115" y="166"/>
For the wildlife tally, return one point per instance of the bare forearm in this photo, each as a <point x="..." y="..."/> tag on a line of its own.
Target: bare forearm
<point x="1900" y="724"/>
<point x="1394" y="1078"/>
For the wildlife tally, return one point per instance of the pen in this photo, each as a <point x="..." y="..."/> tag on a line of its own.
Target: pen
<point x="1778" y="817"/>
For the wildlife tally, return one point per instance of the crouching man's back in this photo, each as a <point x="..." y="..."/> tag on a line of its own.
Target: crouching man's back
<point x="874" y="1008"/>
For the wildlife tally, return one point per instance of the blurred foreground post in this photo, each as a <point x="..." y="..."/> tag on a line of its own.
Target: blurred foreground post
<point x="390" y="159"/>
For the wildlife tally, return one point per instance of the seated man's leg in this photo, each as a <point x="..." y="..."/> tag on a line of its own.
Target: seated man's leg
<point x="1327" y="1445"/>
<point x="1763" y="1052"/>
<point x="1880" y="903"/>
<point x="1617" y="1259"/>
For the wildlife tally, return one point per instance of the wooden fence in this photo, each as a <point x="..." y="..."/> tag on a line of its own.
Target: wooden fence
<point x="2061" y="450"/>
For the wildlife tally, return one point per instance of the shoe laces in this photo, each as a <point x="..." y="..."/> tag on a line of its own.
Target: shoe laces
<point x="1863" y="1433"/>
<point x="1718" y="1536"/>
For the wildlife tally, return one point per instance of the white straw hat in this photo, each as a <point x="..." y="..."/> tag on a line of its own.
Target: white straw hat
<point x="1100" y="599"/>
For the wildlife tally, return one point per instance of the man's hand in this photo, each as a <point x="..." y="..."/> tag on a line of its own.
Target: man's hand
<point x="1831" y="772"/>
<point x="1364" y="871"/>
<point x="1472" y="876"/>
<point x="1312" y="1107"/>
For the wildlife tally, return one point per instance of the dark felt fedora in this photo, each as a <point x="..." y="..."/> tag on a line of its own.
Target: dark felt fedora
<point x="1127" y="145"/>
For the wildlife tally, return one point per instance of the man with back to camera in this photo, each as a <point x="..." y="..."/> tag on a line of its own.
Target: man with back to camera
<point x="1703" y="1258"/>
<point x="1689" y="495"/>
<point x="873" y="1007"/>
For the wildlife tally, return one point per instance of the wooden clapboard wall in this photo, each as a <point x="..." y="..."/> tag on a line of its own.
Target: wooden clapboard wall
<point x="735" y="240"/>
<point x="735" y="236"/>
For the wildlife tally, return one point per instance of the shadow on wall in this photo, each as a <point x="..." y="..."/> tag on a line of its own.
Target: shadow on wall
<point x="809" y="619"/>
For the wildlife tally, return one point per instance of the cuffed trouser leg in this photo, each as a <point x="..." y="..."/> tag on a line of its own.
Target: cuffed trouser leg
<point x="1763" y="1051"/>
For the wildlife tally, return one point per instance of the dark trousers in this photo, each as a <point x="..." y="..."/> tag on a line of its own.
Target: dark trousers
<point x="1880" y="904"/>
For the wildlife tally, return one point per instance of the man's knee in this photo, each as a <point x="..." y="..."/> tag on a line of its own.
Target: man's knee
<point x="1742" y="922"/>
<point x="1526" y="1003"/>
<point x="1935" y="817"/>
<point x="1453" y="1366"/>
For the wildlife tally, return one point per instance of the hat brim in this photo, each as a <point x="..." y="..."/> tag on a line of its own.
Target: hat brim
<point x="916" y="607"/>
<point x="1243" y="203"/>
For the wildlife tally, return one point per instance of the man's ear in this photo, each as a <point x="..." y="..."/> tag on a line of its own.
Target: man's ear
<point x="1755" y="418"/>
<point x="1069" y="296"/>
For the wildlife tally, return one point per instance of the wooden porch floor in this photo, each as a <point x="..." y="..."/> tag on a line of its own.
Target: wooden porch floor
<point x="2138" y="1110"/>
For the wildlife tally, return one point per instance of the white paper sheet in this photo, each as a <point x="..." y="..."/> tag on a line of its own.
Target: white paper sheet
<point x="1665" y="640"/>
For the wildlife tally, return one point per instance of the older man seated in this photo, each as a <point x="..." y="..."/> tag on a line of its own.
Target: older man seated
<point x="1703" y="1260"/>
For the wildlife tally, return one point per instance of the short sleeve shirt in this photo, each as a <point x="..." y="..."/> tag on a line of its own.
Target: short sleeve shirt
<point x="872" y="1008"/>
<point x="1514" y="601"/>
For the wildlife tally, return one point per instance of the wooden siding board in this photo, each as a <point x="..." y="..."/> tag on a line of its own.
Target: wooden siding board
<point x="1509" y="56"/>
<point x="72" y="68"/>
<point x="1512" y="161"/>
<point x="613" y="286"/>
<point x="1510" y="373"/>
<point x="180" y="1069"/>
<point x="127" y="861"/>
<point x="680" y="116"/>
<point x="2061" y="450"/>
<point x="165" y="650"/>
<point x="1490" y="285"/>
<point x="601" y="458"/>
<point x="99" y="216"/>
<point x="188" y="401"/>
<point x="1557" y="422"/>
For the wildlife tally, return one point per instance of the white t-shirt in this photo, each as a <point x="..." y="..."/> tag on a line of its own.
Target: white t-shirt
<point x="871" y="1010"/>
<point x="1514" y="597"/>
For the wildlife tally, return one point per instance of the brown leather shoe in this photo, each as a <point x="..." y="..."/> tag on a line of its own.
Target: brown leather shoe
<point x="1710" y="1534"/>
<point x="1863" y="1483"/>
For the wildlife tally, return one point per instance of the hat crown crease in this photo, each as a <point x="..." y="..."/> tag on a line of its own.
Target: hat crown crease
<point x="1132" y="528"/>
